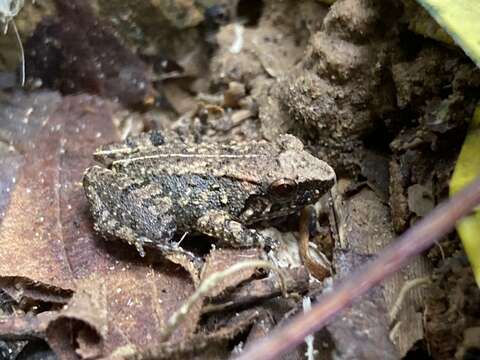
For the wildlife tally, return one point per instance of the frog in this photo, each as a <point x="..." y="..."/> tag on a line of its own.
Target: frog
<point x="150" y="189"/>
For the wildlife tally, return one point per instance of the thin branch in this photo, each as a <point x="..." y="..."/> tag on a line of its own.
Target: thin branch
<point x="209" y="283"/>
<point x="406" y="288"/>
<point x="415" y="240"/>
<point x="22" y="54"/>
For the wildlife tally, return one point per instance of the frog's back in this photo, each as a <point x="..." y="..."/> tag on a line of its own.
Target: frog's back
<point x="259" y="162"/>
<point x="240" y="161"/>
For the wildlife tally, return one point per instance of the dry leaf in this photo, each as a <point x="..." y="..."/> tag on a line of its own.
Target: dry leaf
<point x="46" y="237"/>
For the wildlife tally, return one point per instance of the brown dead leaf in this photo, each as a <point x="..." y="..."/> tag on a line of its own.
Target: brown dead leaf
<point x="30" y="228"/>
<point x="23" y="289"/>
<point x="46" y="236"/>
<point x="26" y="326"/>
<point x="199" y="343"/>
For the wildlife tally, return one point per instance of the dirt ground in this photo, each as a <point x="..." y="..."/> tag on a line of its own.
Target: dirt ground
<point x="386" y="106"/>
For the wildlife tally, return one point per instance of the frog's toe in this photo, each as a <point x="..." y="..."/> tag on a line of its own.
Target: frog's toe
<point x="139" y="246"/>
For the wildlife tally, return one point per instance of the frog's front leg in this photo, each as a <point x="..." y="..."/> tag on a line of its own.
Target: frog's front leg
<point x="220" y="225"/>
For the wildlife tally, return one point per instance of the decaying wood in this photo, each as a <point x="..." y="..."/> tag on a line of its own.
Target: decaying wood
<point x="364" y="228"/>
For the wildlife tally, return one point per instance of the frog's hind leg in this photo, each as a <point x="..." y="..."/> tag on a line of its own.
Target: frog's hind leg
<point x="229" y="232"/>
<point x="136" y="213"/>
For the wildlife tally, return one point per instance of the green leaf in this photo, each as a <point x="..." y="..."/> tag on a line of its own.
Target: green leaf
<point x="467" y="169"/>
<point x="461" y="19"/>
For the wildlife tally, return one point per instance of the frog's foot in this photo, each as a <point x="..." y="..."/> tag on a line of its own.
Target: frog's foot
<point x="171" y="251"/>
<point x="165" y="247"/>
<point x="125" y="233"/>
<point x="229" y="232"/>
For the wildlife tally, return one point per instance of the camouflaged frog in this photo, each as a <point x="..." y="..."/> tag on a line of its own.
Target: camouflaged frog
<point x="148" y="189"/>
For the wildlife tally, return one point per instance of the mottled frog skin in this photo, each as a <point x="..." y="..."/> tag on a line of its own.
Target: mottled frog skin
<point x="148" y="188"/>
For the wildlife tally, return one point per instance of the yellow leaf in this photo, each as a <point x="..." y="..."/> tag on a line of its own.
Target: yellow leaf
<point x="467" y="169"/>
<point x="460" y="18"/>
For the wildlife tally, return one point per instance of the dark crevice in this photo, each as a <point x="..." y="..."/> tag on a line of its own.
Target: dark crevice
<point x="250" y="11"/>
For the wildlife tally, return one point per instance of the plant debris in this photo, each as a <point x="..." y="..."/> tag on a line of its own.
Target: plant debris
<point x="76" y="52"/>
<point x="376" y="89"/>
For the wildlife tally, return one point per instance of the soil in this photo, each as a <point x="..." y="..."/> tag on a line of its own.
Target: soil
<point x="387" y="107"/>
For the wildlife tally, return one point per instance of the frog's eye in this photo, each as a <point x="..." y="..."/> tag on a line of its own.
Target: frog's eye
<point x="283" y="187"/>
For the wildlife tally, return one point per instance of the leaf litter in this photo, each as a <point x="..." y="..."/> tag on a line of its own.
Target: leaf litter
<point x="305" y="74"/>
<point x="70" y="283"/>
<point x="46" y="241"/>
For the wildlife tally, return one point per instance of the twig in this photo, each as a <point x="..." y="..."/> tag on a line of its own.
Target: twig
<point x="415" y="240"/>
<point x="209" y="283"/>
<point x="22" y="54"/>
<point x="296" y="282"/>
<point x="409" y="285"/>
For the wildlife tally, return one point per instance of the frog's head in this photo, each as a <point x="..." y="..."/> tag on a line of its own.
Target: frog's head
<point x="294" y="179"/>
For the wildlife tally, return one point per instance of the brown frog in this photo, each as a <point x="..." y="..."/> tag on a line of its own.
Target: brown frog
<point x="149" y="188"/>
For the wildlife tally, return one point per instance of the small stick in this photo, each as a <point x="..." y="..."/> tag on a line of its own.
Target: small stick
<point x="415" y="240"/>
<point x="22" y="53"/>
<point x="409" y="285"/>
<point x="209" y="283"/>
